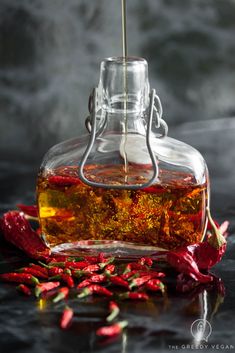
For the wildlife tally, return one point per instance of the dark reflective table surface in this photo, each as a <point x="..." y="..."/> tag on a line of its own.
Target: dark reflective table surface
<point x="164" y="325"/>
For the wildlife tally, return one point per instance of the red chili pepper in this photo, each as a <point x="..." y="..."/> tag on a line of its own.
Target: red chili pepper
<point x="113" y="330"/>
<point x="134" y="296"/>
<point x="146" y="261"/>
<point x="45" y="287"/>
<point x="33" y="271"/>
<point x="68" y="280"/>
<point x="106" y="262"/>
<point x="24" y="289"/>
<point x="183" y="262"/>
<point x="119" y="281"/>
<point x="98" y="278"/>
<point x="135" y="266"/>
<point x="61" y="294"/>
<point x="109" y="269"/>
<point x="25" y="278"/>
<point x="95" y="289"/>
<point x="84" y="283"/>
<point x="55" y="271"/>
<point x="66" y="317"/>
<point x="91" y="268"/>
<point x="137" y="282"/>
<point x="155" y="285"/>
<point x="58" y="180"/>
<point x="114" y="311"/>
<point x="76" y="265"/>
<point x="39" y="268"/>
<point x="17" y="230"/>
<point x="29" y="210"/>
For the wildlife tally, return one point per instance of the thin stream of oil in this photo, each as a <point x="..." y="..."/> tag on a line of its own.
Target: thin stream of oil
<point x="124" y="54"/>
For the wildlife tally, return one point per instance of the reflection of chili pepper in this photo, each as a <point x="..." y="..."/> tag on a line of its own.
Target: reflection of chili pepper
<point x="61" y="294"/>
<point x="96" y="289"/>
<point x="155" y="285"/>
<point x="45" y="287"/>
<point x="119" y="281"/>
<point x="137" y="282"/>
<point x="33" y="271"/>
<point x="66" y="317"/>
<point x="17" y="230"/>
<point x="134" y="296"/>
<point x="63" y="180"/>
<point x="113" y="330"/>
<point x="25" y="278"/>
<point x="28" y="210"/>
<point x="24" y="289"/>
<point x="114" y="311"/>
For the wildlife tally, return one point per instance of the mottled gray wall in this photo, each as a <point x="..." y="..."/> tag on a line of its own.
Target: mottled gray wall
<point x="50" y="52"/>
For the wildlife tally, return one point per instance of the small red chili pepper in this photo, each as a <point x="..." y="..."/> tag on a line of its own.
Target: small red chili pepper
<point x="95" y="289"/>
<point x="98" y="278"/>
<point x="58" y="180"/>
<point x="91" y="268"/>
<point x="33" y="271"/>
<point x="29" y="210"/>
<point x="146" y="261"/>
<point x="24" y="289"/>
<point x="17" y="230"/>
<point x="61" y="294"/>
<point x="45" y="287"/>
<point x="135" y="266"/>
<point x="66" y="317"/>
<point x="113" y="330"/>
<point x="119" y="281"/>
<point x="39" y="268"/>
<point x="134" y="296"/>
<point x="76" y="265"/>
<point x="55" y="271"/>
<point x="106" y="261"/>
<point x="67" y="279"/>
<point x="84" y="283"/>
<point x="25" y="278"/>
<point x="139" y="281"/>
<point x="109" y="269"/>
<point x="114" y="311"/>
<point x="155" y="285"/>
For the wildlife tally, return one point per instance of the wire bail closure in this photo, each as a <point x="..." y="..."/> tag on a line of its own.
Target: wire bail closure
<point x="155" y="110"/>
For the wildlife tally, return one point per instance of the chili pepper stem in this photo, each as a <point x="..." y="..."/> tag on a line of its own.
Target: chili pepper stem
<point x="84" y="293"/>
<point x="217" y="239"/>
<point x="59" y="297"/>
<point x="113" y="314"/>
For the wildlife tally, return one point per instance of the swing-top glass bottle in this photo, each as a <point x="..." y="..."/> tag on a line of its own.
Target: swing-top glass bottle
<point x="126" y="187"/>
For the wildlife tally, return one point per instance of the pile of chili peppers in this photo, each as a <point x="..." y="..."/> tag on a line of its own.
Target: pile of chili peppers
<point x="59" y="278"/>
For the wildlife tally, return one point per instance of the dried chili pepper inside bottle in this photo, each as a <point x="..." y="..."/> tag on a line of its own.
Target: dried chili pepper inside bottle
<point x="125" y="186"/>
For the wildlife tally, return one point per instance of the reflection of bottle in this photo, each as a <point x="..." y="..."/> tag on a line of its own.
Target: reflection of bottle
<point x="129" y="185"/>
<point x="200" y="329"/>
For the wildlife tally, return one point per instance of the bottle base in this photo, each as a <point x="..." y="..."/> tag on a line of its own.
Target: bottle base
<point x="118" y="249"/>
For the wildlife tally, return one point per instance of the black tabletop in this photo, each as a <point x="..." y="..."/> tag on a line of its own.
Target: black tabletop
<point x="162" y="324"/>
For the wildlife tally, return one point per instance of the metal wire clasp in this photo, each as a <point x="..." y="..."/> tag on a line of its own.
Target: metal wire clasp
<point x="155" y="109"/>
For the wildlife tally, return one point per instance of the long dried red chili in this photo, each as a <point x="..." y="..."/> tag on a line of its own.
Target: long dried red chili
<point x="17" y="230"/>
<point x="25" y="278"/>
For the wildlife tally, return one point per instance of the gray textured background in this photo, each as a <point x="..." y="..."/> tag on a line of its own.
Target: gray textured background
<point x="50" y="51"/>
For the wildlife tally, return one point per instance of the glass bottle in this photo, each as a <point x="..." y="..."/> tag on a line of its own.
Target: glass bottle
<point x="125" y="187"/>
